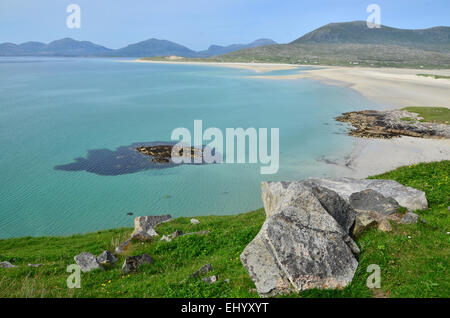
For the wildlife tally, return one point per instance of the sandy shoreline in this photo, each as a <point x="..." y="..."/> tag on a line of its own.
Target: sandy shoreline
<point x="256" y="67"/>
<point x="391" y="89"/>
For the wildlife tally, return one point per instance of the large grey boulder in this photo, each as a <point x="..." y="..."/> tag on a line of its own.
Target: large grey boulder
<point x="87" y="262"/>
<point x="304" y="242"/>
<point x="372" y="201"/>
<point x="144" y="226"/>
<point x="407" y="197"/>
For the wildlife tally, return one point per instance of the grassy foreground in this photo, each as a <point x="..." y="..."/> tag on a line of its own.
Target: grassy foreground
<point x="413" y="258"/>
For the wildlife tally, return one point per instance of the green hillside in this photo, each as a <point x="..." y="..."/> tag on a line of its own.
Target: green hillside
<point x="413" y="258"/>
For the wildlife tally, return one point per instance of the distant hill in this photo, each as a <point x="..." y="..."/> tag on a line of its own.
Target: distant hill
<point x="357" y="32"/>
<point x="63" y="47"/>
<point x="148" y="48"/>
<point x="155" y="47"/>
<point x="353" y="43"/>
<point x="214" y="50"/>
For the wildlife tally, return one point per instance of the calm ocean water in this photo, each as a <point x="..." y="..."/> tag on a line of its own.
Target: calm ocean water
<point x="53" y="111"/>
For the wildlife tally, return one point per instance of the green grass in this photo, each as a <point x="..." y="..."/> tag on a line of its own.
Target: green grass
<point x="431" y="114"/>
<point x="434" y="76"/>
<point x="411" y="267"/>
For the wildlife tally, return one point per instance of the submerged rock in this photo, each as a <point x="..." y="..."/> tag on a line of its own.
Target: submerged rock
<point x="163" y="153"/>
<point x="87" y="262"/>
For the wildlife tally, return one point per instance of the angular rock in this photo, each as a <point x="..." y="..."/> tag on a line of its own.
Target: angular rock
<point x="304" y="241"/>
<point x="144" y="226"/>
<point x="409" y="218"/>
<point x="370" y="200"/>
<point x="35" y="265"/>
<point x="363" y="221"/>
<point x="210" y="279"/>
<point x="106" y="258"/>
<point x="384" y="225"/>
<point x="132" y="263"/>
<point x="407" y="197"/>
<point x="195" y="221"/>
<point x="122" y="248"/>
<point x="205" y="269"/>
<point x="6" y="264"/>
<point x="87" y="262"/>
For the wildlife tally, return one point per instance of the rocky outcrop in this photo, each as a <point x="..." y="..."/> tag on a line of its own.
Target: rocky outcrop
<point x="391" y="124"/>
<point x="87" y="262"/>
<point x="163" y="153"/>
<point x="144" y="226"/>
<point x="304" y="242"/>
<point x="132" y="263"/>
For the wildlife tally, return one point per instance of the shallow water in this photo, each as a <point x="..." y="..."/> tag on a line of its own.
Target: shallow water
<point x="55" y="110"/>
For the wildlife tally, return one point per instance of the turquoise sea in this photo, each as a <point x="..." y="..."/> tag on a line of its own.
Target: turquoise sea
<point x="55" y="110"/>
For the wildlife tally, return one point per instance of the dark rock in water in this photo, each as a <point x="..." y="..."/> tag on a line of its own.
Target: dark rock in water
<point x="163" y="153"/>
<point x="106" y="258"/>
<point x="371" y="200"/>
<point x="390" y="124"/>
<point x="6" y="264"/>
<point x="126" y="159"/>
<point x="133" y="263"/>
<point x="205" y="269"/>
<point x="130" y="213"/>
<point x="87" y="262"/>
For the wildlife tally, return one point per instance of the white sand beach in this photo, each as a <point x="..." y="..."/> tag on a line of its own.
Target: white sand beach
<point x="256" y="67"/>
<point x="391" y="87"/>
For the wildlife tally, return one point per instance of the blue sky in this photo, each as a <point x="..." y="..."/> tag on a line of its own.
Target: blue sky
<point x="199" y="23"/>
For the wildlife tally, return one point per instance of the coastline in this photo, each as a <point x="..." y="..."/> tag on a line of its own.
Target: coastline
<point x="390" y="88"/>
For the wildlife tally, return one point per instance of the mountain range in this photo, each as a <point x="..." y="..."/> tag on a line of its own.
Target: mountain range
<point x="151" y="47"/>
<point x="353" y="43"/>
